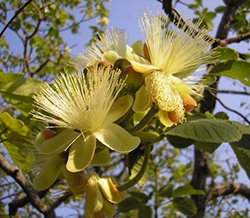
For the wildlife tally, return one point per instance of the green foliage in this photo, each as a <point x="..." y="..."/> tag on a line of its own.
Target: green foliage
<point x="13" y="124"/>
<point x="225" y="54"/>
<point x="243" y="156"/>
<point x="238" y="70"/>
<point x="185" y="205"/>
<point x="137" y="202"/>
<point x="185" y="191"/>
<point x="207" y="130"/>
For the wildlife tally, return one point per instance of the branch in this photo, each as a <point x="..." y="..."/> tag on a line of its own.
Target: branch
<point x="140" y="174"/>
<point x="145" y="120"/>
<point x="60" y="200"/>
<point x="14" y="16"/>
<point x="21" y="201"/>
<point x="14" y="172"/>
<point x="236" y="39"/>
<point x="177" y="19"/>
<point x="230" y="189"/>
<point x="233" y="92"/>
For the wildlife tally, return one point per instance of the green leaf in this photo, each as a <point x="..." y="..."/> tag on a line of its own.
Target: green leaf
<point x="16" y="97"/>
<point x="243" y="156"/>
<point x="128" y="204"/>
<point x="13" y="124"/>
<point x="179" y="142"/>
<point x="238" y="70"/>
<point x="21" y="154"/>
<point x="7" y="80"/>
<point x="225" y="54"/>
<point x="185" y="205"/>
<point x="207" y="130"/>
<point x="140" y="196"/>
<point x="207" y="147"/>
<point x="148" y="136"/>
<point x="28" y="87"/>
<point x="136" y="168"/>
<point x="186" y="190"/>
<point x="244" y="142"/>
<point x="145" y="212"/>
<point x="167" y="190"/>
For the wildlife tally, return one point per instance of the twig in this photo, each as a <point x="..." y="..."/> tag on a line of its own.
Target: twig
<point x="236" y="39"/>
<point x="233" y="92"/>
<point x="140" y="174"/>
<point x="14" y="16"/>
<point x="149" y="116"/>
<point x="177" y="19"/>
<point x="231" y="110"/>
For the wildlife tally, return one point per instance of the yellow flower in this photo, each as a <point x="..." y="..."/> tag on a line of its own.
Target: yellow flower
<point x="110" y="47"/>
<point x="86" y="107"/>
<point x="101" y="197"/>
<point x="167" y="59"/>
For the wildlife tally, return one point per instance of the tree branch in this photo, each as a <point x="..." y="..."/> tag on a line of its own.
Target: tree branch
<point x="230" y="189"/>
<point x="14" y="16"/>
<point x="21" y="201"/>
<point x="236" y="39"/>
<point x="14" y="172"/>
<point x="60" y="200"/>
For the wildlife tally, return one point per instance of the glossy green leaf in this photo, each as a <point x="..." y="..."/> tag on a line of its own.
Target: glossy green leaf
<point x="208" y="147"/>
<point x="186" y="190"/>
<point x="167" y="190"/>
<point x="128" y="204"/>
<point x="185" y="205"/>
<point x="238" y="70"/>
<point x="13" y="124"/>
<point x="145" y="212"/>
<point x="207" y="130"/>
<point x="224" y="54"/>
<point x="243" y="156"/>
<point x="244" y="142"/>
<point x="140" y="196"/>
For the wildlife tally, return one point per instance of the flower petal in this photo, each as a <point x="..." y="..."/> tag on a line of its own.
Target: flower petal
<point x="138" y="47"/>
<point x="110" y="191"/>
<point x="119" y="108"/>
<point x="117" y="138"/>
<point x="49" y="173"/>
<point x="94" y="199"/>
<point x="110" y="56"/>
<point x="164" y="119"/>
<point x="81" y="153"/>
<point x="143" y="67"/>
<point x="58" y="143"/>
<point x="76" y="181"/>
<point x="142" y="100"/>
<point x="101" y="158"/>
<point x="108" y="209"/>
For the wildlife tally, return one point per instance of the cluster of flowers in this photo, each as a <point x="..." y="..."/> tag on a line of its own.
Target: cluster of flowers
<point x="82" y="108"/>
